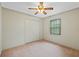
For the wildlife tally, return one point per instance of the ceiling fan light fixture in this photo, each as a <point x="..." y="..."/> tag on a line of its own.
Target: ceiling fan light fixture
<point x="41" y="9"/>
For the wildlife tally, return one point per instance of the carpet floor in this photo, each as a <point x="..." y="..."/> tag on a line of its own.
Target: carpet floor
<point x="39" y="49"/>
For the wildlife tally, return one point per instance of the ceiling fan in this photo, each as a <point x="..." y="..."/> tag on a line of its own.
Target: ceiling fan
<point x="41" y="9"/>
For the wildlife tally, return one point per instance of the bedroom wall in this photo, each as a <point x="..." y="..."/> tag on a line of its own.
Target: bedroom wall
<point x="69" y="29"/>
<point x="15" y="28"/>
<point x="0" y="30"/>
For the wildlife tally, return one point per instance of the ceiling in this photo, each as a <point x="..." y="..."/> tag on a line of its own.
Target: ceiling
<point x="58" y="7"/>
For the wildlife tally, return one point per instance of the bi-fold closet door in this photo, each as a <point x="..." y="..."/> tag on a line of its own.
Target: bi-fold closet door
<point x="32" y="30"/>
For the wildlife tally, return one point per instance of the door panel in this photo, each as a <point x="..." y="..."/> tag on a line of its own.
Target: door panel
<point x="32" y="30"/>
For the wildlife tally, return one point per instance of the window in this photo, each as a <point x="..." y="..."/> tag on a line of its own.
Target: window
<point x="55" y="26"/>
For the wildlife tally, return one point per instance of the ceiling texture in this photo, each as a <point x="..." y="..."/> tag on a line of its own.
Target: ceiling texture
<point x="58" y="7"/>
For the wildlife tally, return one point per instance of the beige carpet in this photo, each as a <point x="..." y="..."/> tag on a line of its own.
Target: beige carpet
<point x="37" y="49"/>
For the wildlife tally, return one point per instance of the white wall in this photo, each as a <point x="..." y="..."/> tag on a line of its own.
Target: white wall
<point x="15" y="28"/>
<point x="0" y="31"/>
<point x="69" y="29"/>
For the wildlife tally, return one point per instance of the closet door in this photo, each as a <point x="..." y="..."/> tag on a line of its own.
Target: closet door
<point x="32" y="30"/>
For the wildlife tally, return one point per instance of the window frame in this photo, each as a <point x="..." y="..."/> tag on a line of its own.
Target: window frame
<point x="55" y="27"/>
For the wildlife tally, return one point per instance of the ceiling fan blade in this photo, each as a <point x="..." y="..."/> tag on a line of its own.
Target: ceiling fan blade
<point x="41" y="3"/>
<point x="44" y="12"/>
<point x="36" y="13"/>
<point x="48" y="8"/>
<point x="33" y="8"/>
